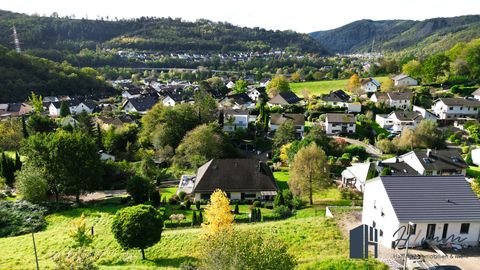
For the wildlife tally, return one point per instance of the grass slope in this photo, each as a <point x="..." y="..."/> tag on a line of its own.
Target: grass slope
<point x="323" y="87"/>
<point x="309" y="239"/>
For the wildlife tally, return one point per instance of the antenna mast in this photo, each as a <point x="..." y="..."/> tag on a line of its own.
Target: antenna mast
<point x="16" y="41"/>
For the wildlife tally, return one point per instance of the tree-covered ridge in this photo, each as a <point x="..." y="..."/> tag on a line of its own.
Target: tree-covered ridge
<point x="422" y="37"/>
<point x="161" y="34"/>
<point x="21" y="74"/>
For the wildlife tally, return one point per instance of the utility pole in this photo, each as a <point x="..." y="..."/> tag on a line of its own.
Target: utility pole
<point x="29" y="220"/>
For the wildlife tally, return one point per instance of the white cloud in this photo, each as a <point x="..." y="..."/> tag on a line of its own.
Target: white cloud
<point x="301" y="16"/>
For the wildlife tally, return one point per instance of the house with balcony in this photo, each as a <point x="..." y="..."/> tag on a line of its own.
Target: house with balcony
<point x="234" y="119"/>
<point x="339" y="123"/>
<point x="451" y="109"/>
<point x="397" y="121"/>
<point x="397" y="100"/>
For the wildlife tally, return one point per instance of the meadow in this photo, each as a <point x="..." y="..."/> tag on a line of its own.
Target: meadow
<point x="323" y="87"/>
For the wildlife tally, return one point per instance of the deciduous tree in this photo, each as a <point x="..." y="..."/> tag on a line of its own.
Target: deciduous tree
<point x="310" y="171"/>
<point x="218" y="214"/>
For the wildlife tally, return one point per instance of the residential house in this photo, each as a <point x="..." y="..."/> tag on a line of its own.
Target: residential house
<point x="397" y="100"/>
<point x="369" y="85"/>
<point x="134" y="92"/>
<point x="74" y="105"/>
<point x="341" y="99"/>
<point x="298" y="119"/>
<point x="426" y="114"/>
<point x="237" y="101"/>
<point x="140" y="105"/>
<point x="240" y="179"/>
<point x="476" y="156"/>
<point x="14" y="109"/>
<point x="397" y="121"/>
<point x="430" y="162"/>
<point x="107" y="122"/>
<point x="235" y="119"/>
<point x="404" y="80"/>
<point x="357" y="174"/>
<point x="476" y="94"/>
<point x="432" y="209"/>
<point x="450" y="109"/>
<point x="69" y="120"/>
<point x="337" y="123"/>
<point x="264" y="82"/>
<point x="230" y="85"/>
<point x="285" y="98"/>
<point x="255" y="93"/>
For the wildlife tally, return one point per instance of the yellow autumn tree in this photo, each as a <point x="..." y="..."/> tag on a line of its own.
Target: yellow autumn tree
<point x="284" y="152"/>
<point x="218" y="216"/>
<point x="353" y="84"/>
<point x="79" y="231"/>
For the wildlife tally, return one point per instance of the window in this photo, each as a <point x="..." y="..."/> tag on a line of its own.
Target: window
<point x="461" y="108"/>
<point x="428" y="173"/>
<point x="374" y="224"/>
<point x="451" y="108"/>
<point x="413" y="229"/>
<point x="474" y="109"/>
<point x="464" y="228"/>
<point x="381" y="233"/>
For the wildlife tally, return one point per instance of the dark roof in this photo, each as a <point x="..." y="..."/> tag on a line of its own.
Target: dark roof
<point x="280" y="118"/>
<point x="240" y="98"/>
<point x="400" y="95"/>
<point x="367" y="80"/>
<point x="234" y="175"/>
<point x="285" y="98"/>
<point x="134" y="91"/>
<point x="432" y="198"/>
<point x="337" y="96"/>
<point x="340" y="118"/>
<point x="407" y="115"/>
<point x="460" y="102"/>
<point x="90" y="104"/>
<point x="381" y="96"/>
<point x="142" y="104"/>
<point x="399" y="168"/>
<point x="445" y="159"/>
<point x="70" y="103"/>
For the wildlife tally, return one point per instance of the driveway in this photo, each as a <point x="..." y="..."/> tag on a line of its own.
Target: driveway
<point x="371" y="150"/>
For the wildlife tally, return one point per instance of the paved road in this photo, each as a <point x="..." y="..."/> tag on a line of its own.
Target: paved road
<point x="372" y="150"/>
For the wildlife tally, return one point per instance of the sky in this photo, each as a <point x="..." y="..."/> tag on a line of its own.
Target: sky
<point x="301" y="15"/>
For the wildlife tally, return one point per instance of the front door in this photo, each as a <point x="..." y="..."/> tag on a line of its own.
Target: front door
<point x="445" y="229"/>
<point x="430" y="231"/>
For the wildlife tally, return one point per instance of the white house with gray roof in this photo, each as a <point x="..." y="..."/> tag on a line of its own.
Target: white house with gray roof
<point x="338" y="123"/>
<point x="404" y="80"/>
<point x="454" y="108"/>
<point x="440" y="209"/>
<point x="397" y="121"/>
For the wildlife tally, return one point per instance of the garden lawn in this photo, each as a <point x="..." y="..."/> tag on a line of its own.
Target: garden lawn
<point x="324" y="87"/>
<point x="282" y="178"/>
<point x="473" y="171"/>
<point x="309" y="239"/>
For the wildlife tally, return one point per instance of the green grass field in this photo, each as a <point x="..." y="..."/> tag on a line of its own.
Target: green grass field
<point x="323" y="87"/>
<point x="310" y="239"/>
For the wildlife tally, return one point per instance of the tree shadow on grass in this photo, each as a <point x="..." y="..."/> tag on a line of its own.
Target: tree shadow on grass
<point x="173" y="262"/>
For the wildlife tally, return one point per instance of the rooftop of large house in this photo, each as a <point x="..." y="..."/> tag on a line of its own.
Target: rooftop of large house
<point x="407" y="115"/>
<point x="400" y="77"/>
<point x="340" y="118"/>
<point x="460" y="102"/>
<point x="285" y="98"/>
<point x="280" y="118"/>
<point x="234" y="175"/>
<point x="367" y="80"/>
<point x="431" y="198"/>
<point x="142" y="104"/>
<point x="336" y="96"/>
<point x="444" y="159"/>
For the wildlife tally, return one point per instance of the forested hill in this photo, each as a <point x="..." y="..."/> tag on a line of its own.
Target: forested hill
<point x="418" y="37"/>
<point x="20" y="74"/>
<point x="146" y="33"/>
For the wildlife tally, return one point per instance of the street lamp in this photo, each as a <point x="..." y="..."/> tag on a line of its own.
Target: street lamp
<point x="29" y="220"/>
<point x="406" y="247"/>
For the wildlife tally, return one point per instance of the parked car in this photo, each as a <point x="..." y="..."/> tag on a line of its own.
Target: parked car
<point x="445" y="267"/>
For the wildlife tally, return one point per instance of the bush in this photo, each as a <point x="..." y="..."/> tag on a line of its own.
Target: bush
<point x="78" y="259"/>
<point x="197" y="205"/>
<point x="188" y="204"/>
<point x="282" y="211"/>
<point x="20" y="217"/>
<point x="80" y="231"/>
<point x="139" y="188"/>
<point x="257" y="204"/>
<point x="236" y="211"/>
<point x="182" y="195"/>
<point x="298" y="203"/>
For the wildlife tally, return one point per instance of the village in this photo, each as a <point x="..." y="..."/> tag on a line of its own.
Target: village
<point x="355" y="124"/>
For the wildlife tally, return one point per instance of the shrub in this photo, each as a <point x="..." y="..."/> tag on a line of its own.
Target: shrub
<point x="155" y="197"/>
<point x="78" y="259"/>
<point x="137" y="227"/>
<point x="236" y="211"/>
<point x="279" y="200"/>
<point x="197" y="205"/>
<point x="139" y="188"/>
<point x="80" y="232"/>
<point x="282" y="211"/>
<point x="257" y="204"/>
<point x="182" y="195"/>
<point x="20" y="217"/>
<point x="188" y="204"/>
<point x="298" y="203"/>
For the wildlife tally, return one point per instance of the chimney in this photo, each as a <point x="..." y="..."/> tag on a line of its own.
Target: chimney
<point x="429" y="152"/>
